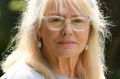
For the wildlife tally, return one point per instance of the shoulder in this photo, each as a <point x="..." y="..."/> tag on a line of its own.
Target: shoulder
<point x="21" y="70"/>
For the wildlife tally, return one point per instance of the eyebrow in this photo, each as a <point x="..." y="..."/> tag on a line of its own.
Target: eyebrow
<point x="52" y="13"/>
<point x="58" y="14"/>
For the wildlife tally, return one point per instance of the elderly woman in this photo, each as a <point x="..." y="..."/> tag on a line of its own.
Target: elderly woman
<point x="58" y="39"/>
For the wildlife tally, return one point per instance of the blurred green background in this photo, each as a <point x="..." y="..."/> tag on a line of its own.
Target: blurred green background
<point x="10" y="12"/>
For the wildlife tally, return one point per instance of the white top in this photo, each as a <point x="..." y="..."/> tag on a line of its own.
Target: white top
<point x="21" y="70"/>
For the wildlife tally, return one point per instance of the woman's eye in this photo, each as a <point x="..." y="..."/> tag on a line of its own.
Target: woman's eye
<point x="55" y="20"/>
<point x="77" y="21"/>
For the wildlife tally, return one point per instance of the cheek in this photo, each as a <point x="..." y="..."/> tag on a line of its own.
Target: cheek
<point x="83" y="37"/>
<point x="47" y="34"/>
<point x="49" y="37"/>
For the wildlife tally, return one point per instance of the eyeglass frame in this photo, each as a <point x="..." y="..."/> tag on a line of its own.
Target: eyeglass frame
<point x="66" y="21"/>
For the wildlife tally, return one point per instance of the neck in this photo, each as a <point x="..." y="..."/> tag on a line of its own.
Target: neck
<point x="64" y="66"/>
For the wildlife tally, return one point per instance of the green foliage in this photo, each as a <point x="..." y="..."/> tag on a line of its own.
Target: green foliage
<point x="17" y="5"/>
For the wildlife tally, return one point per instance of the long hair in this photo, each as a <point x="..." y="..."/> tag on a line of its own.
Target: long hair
<point x="91" y="62"/>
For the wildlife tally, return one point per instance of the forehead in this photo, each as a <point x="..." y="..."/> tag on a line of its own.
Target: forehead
<point x="65" y="6"/>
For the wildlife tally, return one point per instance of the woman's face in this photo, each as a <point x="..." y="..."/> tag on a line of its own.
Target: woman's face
<point x="65" y="42"/>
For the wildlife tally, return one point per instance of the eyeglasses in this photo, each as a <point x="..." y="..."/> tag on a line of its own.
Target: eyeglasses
<point x="57" y="22"/>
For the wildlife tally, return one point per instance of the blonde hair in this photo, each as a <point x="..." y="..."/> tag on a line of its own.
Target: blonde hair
<point x="91" y="62"/>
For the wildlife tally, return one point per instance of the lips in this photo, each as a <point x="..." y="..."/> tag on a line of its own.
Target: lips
<point x="68" y="42"/>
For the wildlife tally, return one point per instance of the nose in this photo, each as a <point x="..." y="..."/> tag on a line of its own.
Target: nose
<point x="67" y="29"/>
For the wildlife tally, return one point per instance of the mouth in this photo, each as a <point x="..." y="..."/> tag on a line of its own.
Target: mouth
<point x="67" y="42"/>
